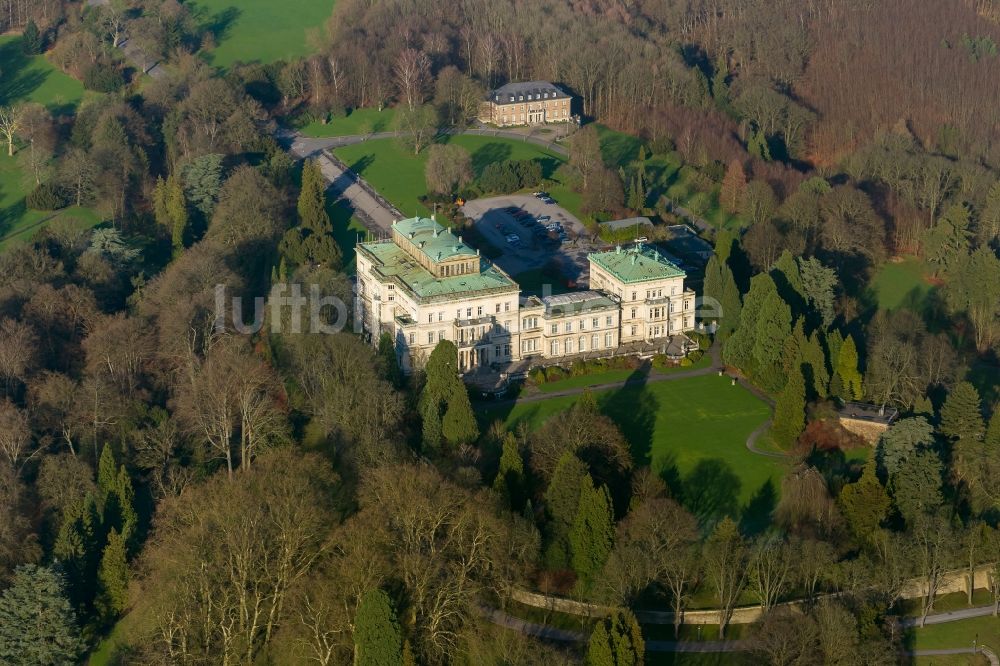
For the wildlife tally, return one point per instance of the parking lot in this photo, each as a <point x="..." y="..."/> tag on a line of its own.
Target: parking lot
<point x="533" y="234"/>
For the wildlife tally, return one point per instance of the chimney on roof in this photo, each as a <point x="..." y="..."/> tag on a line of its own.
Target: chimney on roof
<point x="411" y="235"/>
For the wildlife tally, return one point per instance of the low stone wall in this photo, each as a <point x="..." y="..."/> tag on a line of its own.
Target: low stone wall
<point x="951" y="581"/>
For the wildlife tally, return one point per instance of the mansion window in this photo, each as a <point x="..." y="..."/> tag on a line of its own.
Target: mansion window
<point x="555" y="328"/>
<point x="430" y="338"/>
<point x="569" y="327"/>
<point x="569" y="346"/>
<point x="594" y="341"/>
<point x="582" y="343"/>
<point x="607" y="340"/>
<point x="596" y="322"/>
<point x="555" y="348"/>
<point x="608" y="321"/>
<point x="498" y="308"/>
<point x="633" y="330"/>
<point x="479" y="311"/>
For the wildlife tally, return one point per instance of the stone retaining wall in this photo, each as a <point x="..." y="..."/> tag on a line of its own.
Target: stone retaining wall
<point x="952" y="581"/>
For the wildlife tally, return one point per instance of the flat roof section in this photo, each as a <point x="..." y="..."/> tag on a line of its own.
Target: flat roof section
<point x="576" y="302"/>
<point x="640" y="263"/>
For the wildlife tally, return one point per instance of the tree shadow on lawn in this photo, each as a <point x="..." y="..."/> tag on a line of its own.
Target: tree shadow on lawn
<point x="16" y="83"/>
<point x="633" y="409"/>
<point x="710" y="491"/>
<point x="221" y="22"/>
<point x="489" y="154"/>
<point x="756" y="516"/>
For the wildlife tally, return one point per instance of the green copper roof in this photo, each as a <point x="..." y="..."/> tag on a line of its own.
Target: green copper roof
<point x="392" y="262"/>
<point x="434" y="240"/>
<point x="640" y="263"/>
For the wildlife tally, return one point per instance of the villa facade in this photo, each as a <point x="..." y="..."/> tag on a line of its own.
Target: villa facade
<point x="424" y="284"/>
<point x="526" y="103"/>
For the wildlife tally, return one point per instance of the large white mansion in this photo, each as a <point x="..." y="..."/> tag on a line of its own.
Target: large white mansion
<point x="424" y="285"/>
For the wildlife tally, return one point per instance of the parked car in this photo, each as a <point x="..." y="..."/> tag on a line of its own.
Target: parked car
<point x="541" y="195"/>
<point x="544" y="218"/>
<point x="548" y="200"/>
<point x="513" y="238"/>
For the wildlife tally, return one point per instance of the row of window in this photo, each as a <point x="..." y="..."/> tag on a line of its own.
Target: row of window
<point x="568" y="326"/>
<point x="570" y="346"/>
<point x="557" y="113"/>
<point x="520" y="98"/>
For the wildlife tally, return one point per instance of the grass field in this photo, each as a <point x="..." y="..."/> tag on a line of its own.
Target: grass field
<point x="31" y="79"/>
<point x="902" y="284"/>
<point x="259" y="30"/>
<point x="17" y="223"/>
<point x="398" y="174"/>
<point x="956" y="634"/>
<point x="693" y="433"/>
<point x="35" y="79"/>
<point x="357" y="121"/>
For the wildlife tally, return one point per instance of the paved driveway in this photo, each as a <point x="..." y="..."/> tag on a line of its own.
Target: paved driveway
<point x="533" y="251"/>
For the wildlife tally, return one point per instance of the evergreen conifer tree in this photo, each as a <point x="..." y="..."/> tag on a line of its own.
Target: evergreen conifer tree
<point x="509" y="481"/>
<point x="961" y="414"/>
<point x="592" y="535"/>
<point x="562" y="499"/>
<point x="849" y="377"/>
<point x="616" y="641"/>
<point x="790" y="409"/>
<point x="37" y="623"/>
<point x="378" y="640"/>
<point x="31" y="39"/>
<point x="112" y="578"/>
<point x="459" y="423"/>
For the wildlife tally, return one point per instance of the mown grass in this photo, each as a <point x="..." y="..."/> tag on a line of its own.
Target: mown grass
<point x="398" y="175"/>
<point x="31" y="79"/>
<point x="35" y="79"/>
<point x="959" y="634"/>
<point x="260" y="30"/>
<point x="692" y="432"/>
<point x="902" y="284"/>
<point x="355" y="122"/>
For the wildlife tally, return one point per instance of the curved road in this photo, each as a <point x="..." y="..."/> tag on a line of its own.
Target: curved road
<point x="547" y="633"/>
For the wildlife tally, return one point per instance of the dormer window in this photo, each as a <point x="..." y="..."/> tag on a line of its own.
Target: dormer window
<point x="545" y="95"/>
<point x="520" y="98"/>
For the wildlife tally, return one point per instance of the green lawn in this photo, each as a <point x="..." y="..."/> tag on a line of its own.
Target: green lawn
<point x="693" y="433"/>
<point x="31" y="79"/>
<point x="398" y="174"/>
<point x="35" y="79"/>
<point x="357" y="121"/>
<point x="260" y="30"/>
<point x="902" y="284"/>
<point x="956" y="634"/>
